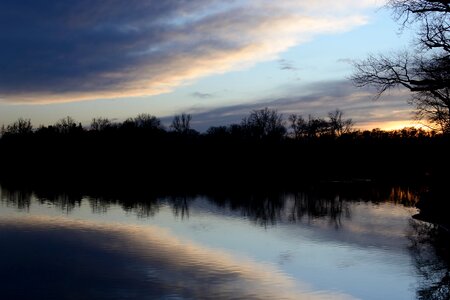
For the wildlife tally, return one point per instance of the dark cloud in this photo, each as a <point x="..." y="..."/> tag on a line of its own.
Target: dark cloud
<point x="202" y="95"/>
<point x="287" y="65"/>
<point x="55" y="50"/>
<point x="65" y="46"/>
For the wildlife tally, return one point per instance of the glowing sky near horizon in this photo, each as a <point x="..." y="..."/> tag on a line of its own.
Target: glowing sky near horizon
<point x="217" y="60"/>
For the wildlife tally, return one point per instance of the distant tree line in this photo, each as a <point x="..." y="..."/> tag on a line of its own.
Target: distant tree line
<point x="264" y="124"/>
<point x="263" y="149"/>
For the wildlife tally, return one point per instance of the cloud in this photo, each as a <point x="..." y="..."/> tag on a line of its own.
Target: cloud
<point x="345" y="60"/>
<point x="202" y="95"/>
<point x="317" y="99"/>
<point x="287" y="65"/>
<point x="54" y="51"/>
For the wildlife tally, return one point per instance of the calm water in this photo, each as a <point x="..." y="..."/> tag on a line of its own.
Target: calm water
<point x="315" y="244"/>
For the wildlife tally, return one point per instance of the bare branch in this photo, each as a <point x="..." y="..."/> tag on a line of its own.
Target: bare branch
<point x="426" y="74"/>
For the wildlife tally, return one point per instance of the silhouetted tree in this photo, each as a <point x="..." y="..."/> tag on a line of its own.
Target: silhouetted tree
<point x="218" y="132"/>
<point x="101" y="124"/>
<point x="19" y="127"/>
<point x="426" y="72"/>
<point x="236" y="131"/>
<point x="181" y="123"/>
<point x="147" y="121"/>
<point x="67" y="125"/>
<point x="143" y="121"/>
<point x="317" y="127"/>
<point x="299" y="126"/>
<point x="339" y="126"/>
<point x="264" y="124"/>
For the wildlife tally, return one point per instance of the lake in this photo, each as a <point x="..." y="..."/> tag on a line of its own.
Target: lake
<point x="334" y="241"/>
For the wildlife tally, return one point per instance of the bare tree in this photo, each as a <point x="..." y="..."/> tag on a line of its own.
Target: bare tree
<point x="147" y="121"/>
<point x="19" y="127"/>
<point x="338" y="125"/>
<point x="67" y="125"/>
<point x="100" y="124"/>
<point x="264" y="123"/>
<point x="144" y="122"/>
<point x="298" y="125"/>
<point x="317" y="127"/>
<point x="314" y="127"/>
<point x="181" y="123"/>
<point x="425" y="72"/>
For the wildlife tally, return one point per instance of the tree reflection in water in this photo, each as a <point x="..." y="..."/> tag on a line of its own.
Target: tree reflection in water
<point x="314" y="206"/>
<point x="180" y="205"/>
<point x="328" y="201"/>
<point x="19" y="198"/>
<point x="430" y="247"/>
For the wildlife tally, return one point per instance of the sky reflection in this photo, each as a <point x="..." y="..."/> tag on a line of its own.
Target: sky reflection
<point x="135" y="260"/>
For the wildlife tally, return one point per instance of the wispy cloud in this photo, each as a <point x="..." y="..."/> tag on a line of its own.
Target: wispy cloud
<point x="345" y="60"/>
<point x="202" y="95"/>
<point x="287" y="65"/>
<point x="55" y="51"/>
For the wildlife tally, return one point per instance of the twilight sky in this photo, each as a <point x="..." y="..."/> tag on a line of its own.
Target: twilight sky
<point x="217" y="60"/>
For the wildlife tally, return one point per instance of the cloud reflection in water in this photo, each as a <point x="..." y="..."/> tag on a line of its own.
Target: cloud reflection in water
<point x="51" y="258"/>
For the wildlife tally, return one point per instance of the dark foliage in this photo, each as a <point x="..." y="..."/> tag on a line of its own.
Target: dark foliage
<point x="260" y="150"/>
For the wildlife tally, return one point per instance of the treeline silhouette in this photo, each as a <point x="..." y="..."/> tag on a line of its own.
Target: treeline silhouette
<point x="262" y="149"/>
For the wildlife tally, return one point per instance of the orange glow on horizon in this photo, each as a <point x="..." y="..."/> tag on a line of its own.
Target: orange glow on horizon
<point x="392" y="125"/>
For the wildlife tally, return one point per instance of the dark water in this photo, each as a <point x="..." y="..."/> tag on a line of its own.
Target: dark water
<point x="315" y="244"/>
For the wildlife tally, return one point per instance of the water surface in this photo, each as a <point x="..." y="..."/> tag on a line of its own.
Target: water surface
<point x="316" y="244"/>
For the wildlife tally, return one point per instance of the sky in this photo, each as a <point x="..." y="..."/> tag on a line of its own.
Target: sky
<point x="217" y="60"/>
